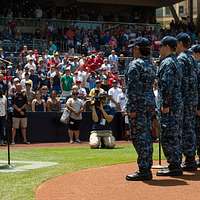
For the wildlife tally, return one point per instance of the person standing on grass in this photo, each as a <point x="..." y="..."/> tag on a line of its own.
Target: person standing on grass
<point x="19" y="114"/>
<point x="76" y="107"/>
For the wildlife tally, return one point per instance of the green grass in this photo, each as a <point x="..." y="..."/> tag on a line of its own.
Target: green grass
<point x="21" y="185"/>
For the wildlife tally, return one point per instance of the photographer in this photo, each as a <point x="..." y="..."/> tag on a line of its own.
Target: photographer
<point x="101" y="134"/>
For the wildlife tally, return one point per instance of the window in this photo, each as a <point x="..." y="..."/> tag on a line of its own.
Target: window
<point x="181" y="10"/>
<point x="159" y="12"/>
<point x="167" y="11"/>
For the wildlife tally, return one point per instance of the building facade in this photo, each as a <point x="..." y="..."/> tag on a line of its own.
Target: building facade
<point x="164" y="15"/>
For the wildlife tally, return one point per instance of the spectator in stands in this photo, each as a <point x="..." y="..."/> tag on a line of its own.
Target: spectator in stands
<point x="52" y="48"/>
<point x="30" y="56"/>
<point x="30" y="95"/>
<point x="113" y="60"/>
<point x="19" y="113"/>
<point x="24" y="80"/>
<point x="31" y="64"/>
<point x="66" y="83"/>
<point x="83" y="76"/>
<point x="113" y="93"/>
<point x="55" y="81"/>
<point x="19" y="71"/>
<point x="92" y="80"/>
<point x="81" y="90"/>
<point x="106" y="65"/>
<point x="76" y="107"/>
<point x="97" y="90"/>
<point x="23" y="55"/>
<point x="104" y="78"/>
<point x="123" y="117"/>
<point x="35" y="80"/>
<point x="25" y="71"/>
<point x="121" y="64"/>
<point x="38" y="104"/>
<point x="3" y="113"/>
<point x="12" y="89"/>
<point x="3" y="86"/>
<point x="56" y="59"/>
<point x="53" y="103"/>
<point x="42" y="66"/>
<point x="44" y="93"/>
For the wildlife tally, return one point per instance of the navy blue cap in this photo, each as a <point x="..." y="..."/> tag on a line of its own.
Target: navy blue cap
<point x="170" y="41"/>
<point x="140" y="42"/>
<point x="183" y="37"/>
<point x="195" y="48"/>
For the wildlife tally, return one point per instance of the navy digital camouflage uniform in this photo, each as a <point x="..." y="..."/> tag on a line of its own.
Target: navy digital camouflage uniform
<point x="190" y="101"/>
<point x="196" y="49"/>
<point x="198" y="117"/>
<point x="140" y="99"/>
<point x="169" y="87"/>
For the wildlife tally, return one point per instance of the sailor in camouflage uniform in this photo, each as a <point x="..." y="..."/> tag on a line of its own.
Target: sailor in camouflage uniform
<point x="171" y="106"/>
<point x="196" y="53"/>
<point x="141" y="106"/>
<point x="190" y="100"/>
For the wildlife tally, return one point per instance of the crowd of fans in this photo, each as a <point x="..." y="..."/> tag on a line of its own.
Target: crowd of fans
<point x="92" y="60"/>
<point x="47" y="76"/>
<point x="74" y="11"/>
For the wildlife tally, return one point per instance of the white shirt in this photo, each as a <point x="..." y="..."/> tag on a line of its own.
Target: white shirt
<point x="82" y="92"/>
<point x="121" y="100"/>
<point x="113" y="59"/>
<point x="76" y="105"/>
<point x="114" y="92"/>
<point x="30" y="66"/>
<point x="3" y="106"/>
<point x="106" y="66"/>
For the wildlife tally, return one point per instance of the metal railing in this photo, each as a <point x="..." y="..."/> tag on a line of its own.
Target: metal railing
<point x="15" y="46"/>
<point x="58" y="23"/>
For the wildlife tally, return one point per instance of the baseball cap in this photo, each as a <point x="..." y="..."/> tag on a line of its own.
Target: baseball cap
<point x="195" y="48"/>
<point x="98" y="81"/>
<point x="183" y="37"/>
<point x="78" y="81"/>
<point x="28" y="82"/>
<point x="9" y="67"/>
<point x="170" y="41"/>
<point x="140" y="42"/>
<point x="16" y="80"/>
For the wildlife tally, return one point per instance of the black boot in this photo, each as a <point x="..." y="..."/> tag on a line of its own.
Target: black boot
<point x="172" y="170"/>
<point x="190" y="164"/>
<point x="140" y="176"/>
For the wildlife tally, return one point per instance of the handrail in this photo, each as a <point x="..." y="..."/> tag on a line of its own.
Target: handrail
<point x="26" y="22"/>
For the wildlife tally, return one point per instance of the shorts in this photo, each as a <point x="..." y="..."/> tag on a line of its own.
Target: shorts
<point x="19" y="122"/>
<point x="74" y="124"/>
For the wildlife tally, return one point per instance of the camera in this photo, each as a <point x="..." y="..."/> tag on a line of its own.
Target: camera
<point x="98" y="99"/>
